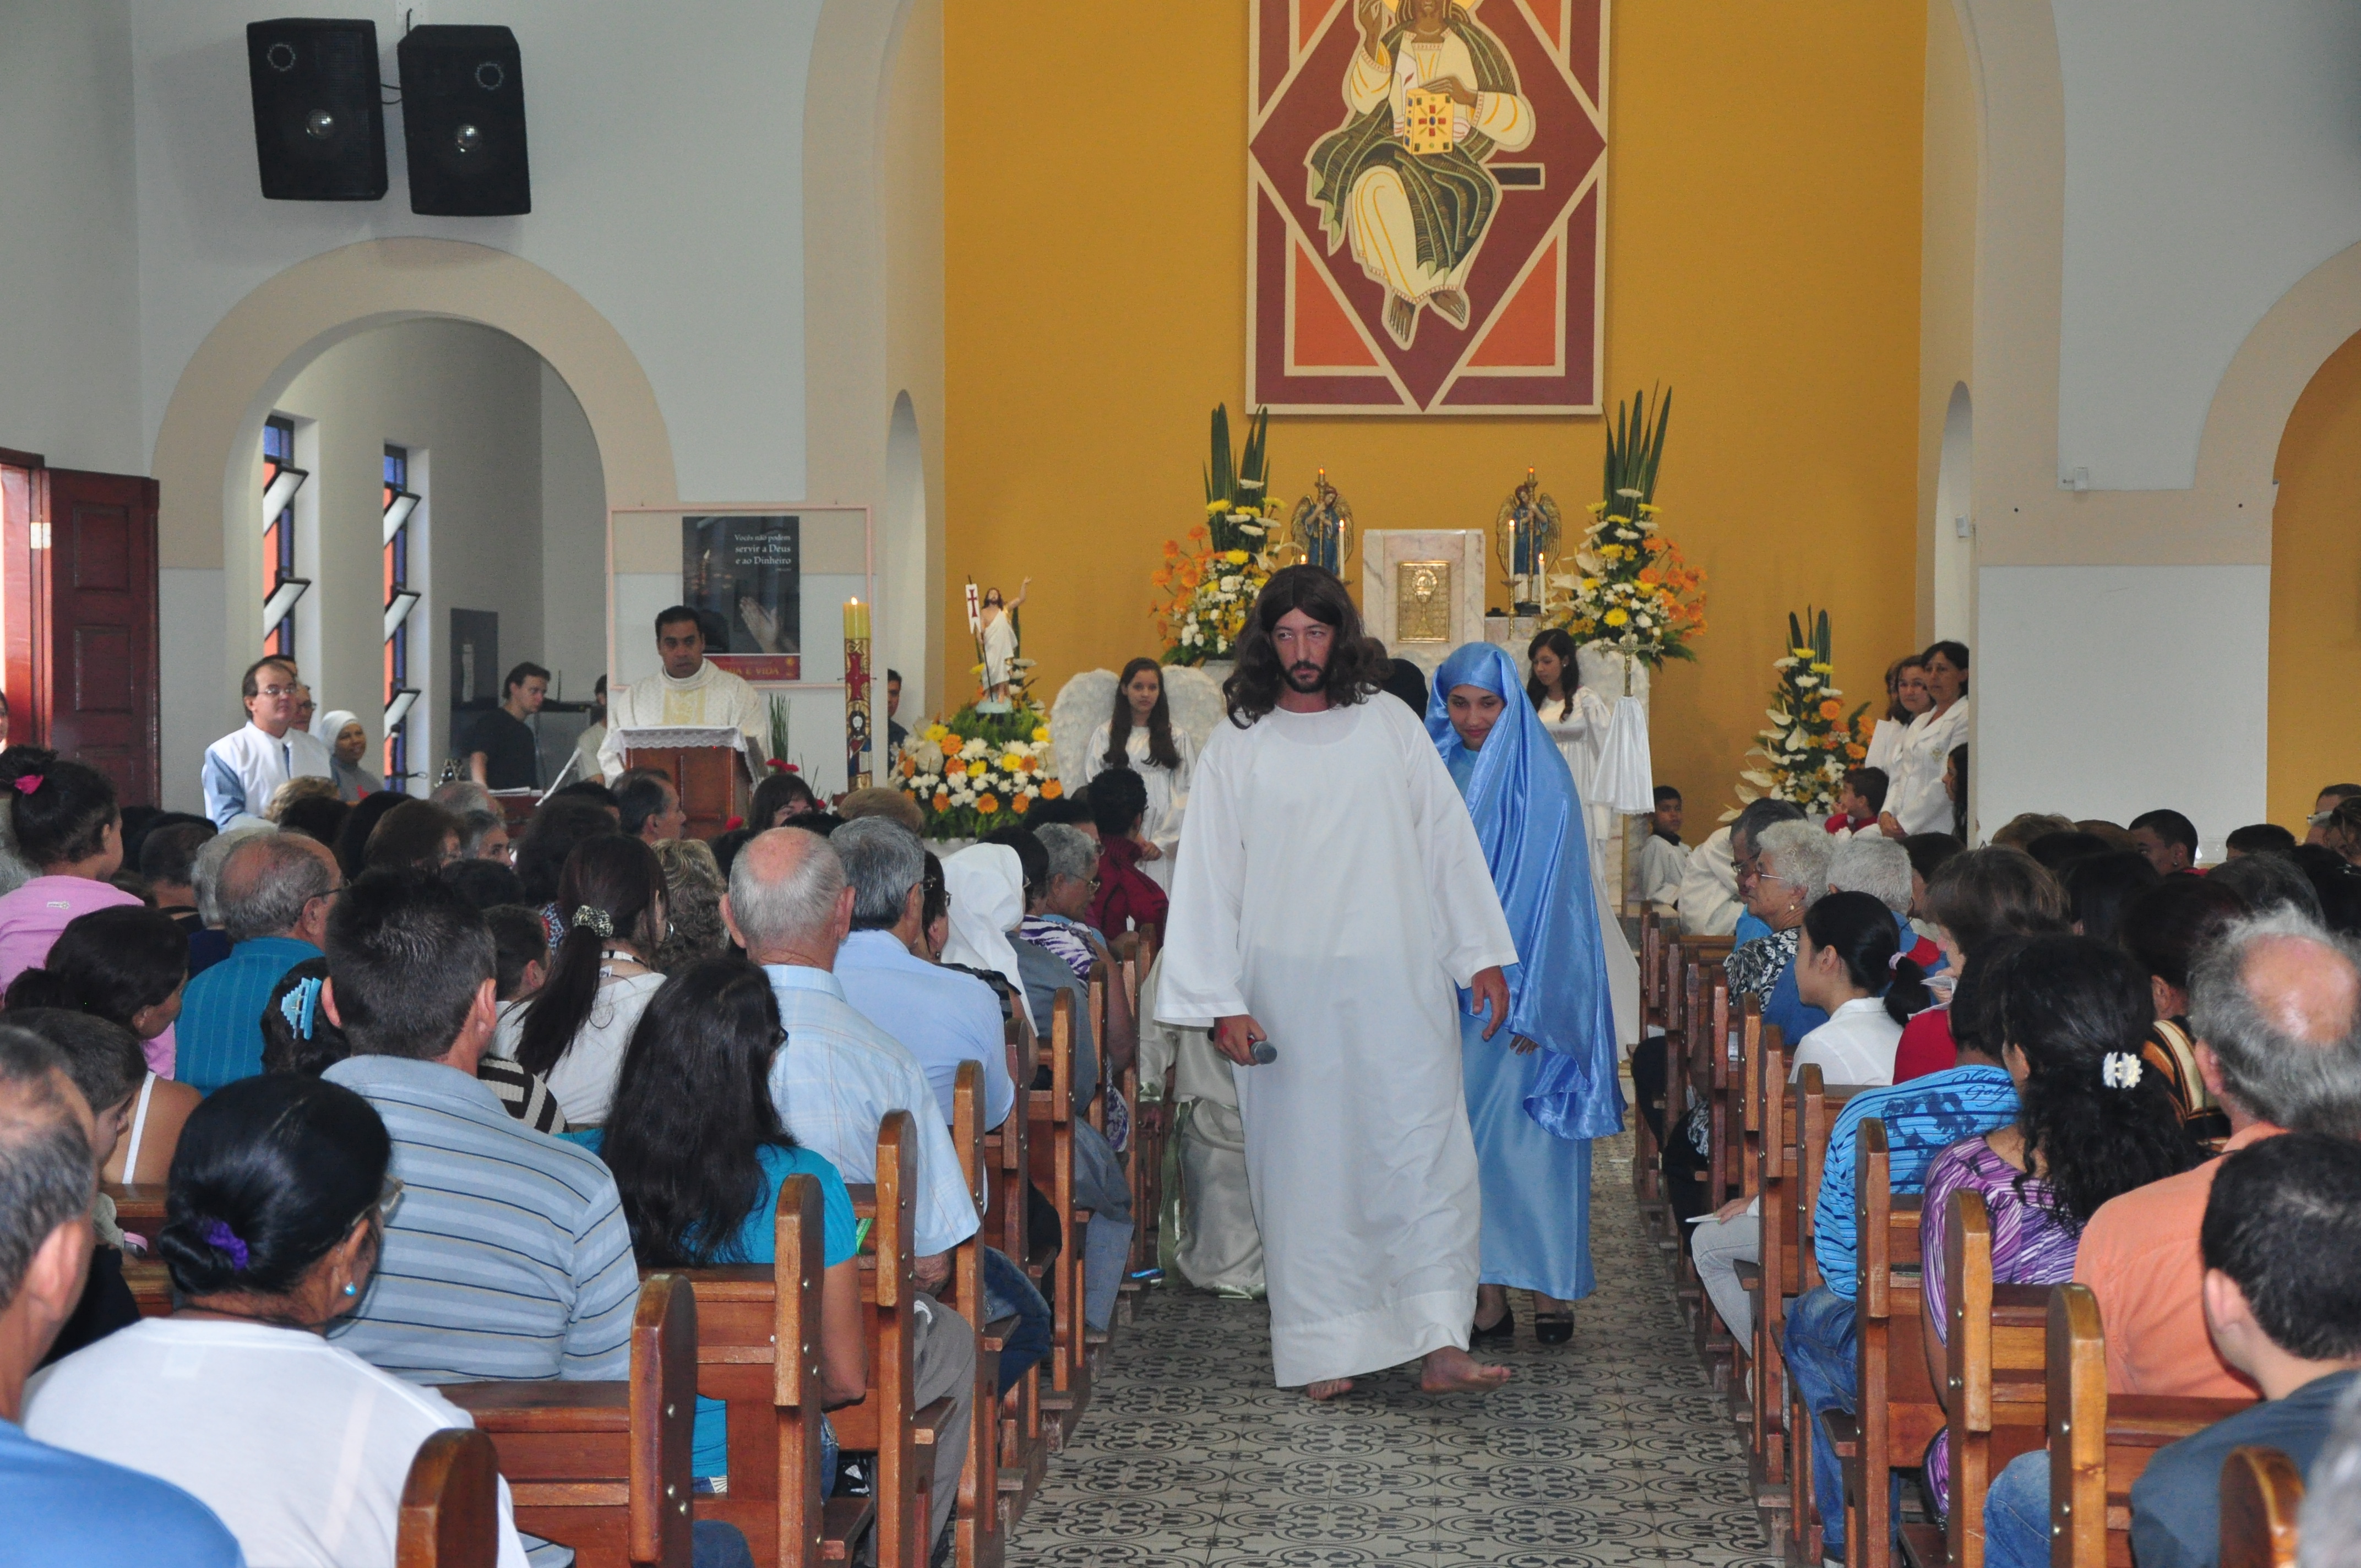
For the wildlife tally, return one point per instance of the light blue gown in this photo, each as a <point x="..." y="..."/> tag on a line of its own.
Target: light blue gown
<point x="1534" y="1115"/>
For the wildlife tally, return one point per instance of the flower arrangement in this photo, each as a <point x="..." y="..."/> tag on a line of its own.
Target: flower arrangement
<point x="1630" y="588"/>
<point x="1213" y="582"/>
<point x="1812" y="742"/>
<point x="782" y="730"/>
<point x="972" y="773"/>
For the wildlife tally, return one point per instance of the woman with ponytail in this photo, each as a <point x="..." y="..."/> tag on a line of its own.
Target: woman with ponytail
<point x="1849" y="964"/>
<point x="574" y="1030"/>
<point x="274" y="1214"/>
<point x="64" y="819"/>
<point x="2093" y="1122"/>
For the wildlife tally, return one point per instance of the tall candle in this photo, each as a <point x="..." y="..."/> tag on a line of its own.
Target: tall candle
<point x="856" y="694"/>
<point x="856" y="620"/>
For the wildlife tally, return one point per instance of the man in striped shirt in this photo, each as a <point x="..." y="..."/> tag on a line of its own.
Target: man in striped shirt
<point x="508" y="1257"/>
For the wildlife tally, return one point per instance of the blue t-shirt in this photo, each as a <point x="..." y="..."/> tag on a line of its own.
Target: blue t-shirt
<point x="63" y="1506"/>
<point x="1923" y="1118"/>
<point x="756" y="1243"/>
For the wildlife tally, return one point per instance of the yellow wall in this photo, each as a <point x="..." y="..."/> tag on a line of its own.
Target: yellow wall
<point x="2316" y="562"/>
<point x="1763" y="239"/>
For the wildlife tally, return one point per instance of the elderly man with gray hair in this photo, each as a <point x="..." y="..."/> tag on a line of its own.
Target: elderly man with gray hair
<point x="274" y="894"/>
<point x="2275" y="1003"/>
<point x="791" y="908"/>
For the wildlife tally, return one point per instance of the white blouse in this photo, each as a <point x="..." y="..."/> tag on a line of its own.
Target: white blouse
<point x="583" y="1080"/>
<point x="1916" y="793"/>
<point x="1856" y="1046"/>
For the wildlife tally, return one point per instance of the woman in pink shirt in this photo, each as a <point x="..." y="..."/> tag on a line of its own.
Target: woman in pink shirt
<point x="63" y="818"/>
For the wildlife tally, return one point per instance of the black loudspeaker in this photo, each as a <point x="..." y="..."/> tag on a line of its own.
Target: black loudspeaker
<point x="463" y="122"/>
<point x="319" y="131"/>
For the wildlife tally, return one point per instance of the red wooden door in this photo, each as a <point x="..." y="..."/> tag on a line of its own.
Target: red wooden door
<point x="101" y="672"/>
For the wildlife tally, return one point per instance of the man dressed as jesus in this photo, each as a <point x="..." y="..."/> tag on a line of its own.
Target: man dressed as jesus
<point x="1332" y="898"/>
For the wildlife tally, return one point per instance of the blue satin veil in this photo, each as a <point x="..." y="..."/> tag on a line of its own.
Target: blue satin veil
<point x="1528" y="818"/>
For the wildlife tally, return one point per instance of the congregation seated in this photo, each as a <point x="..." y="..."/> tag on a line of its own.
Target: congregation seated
<point x="483" y="835"/>
<point x="2167" y="838"/>
<point x="693" y="888"/>
<point x="487" y="884"/>
<point x="1790" y="875"/>
<point x="2163" y="928"/>
<point x="778" y="798"/>
<point x="103" y="1061"/>
<point x="2281" y="1246"/>
<point x="1860" y="799"/>
<point x="63" y="1506"/>
<point x="2269" y="880"/>
<point x="276" y="893"/>
<point x="2060" y="851"/>
<point x="2336" y="883"/>
<point x="649" y="806"/>
<point x="1849" y="968"/>
<point x="128" y="965"/>
<point x="2090" y="1126"/>
<point x="2275" y="1003"/>
<point x="699" y="1155"/>
<point x="320" y="817"/>
<point x="209" y="943"/>
<point x="168" y="865"/>
<point x="508" y="1257"/>
<point x="298" y="1037"/>
<point x="574" y="1029"/>
<point x="1127" y="897"/>
<point x="1977" y="895"/>
<point x="64" y="822"/>
<point x="790" y="907"/>
<point x="2099" y="887"/>
<point x="943" y="1018"/>
<point x="2255" y="838"/>
<point x="1718" y="875"/>
<point x="271" y="1231"/>
<point x="360" y="826"/>
<point x="416" y="835"/>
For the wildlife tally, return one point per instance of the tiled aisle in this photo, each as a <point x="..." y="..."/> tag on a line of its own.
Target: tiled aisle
<point x="1610" y="1451"/>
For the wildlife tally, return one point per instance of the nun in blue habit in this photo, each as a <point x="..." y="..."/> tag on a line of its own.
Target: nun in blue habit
<point x="1540" y="1090"/>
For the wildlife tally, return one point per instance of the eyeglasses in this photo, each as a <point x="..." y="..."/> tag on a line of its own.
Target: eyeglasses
<point x="276" y="691"/>
<point x="388" y="1199"/>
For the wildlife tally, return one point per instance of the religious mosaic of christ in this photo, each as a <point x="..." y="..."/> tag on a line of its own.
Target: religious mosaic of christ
<point x="1427" y="224"/>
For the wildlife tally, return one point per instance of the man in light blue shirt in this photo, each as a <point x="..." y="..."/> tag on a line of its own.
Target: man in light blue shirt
<point x="275" y="893"/>
<point x="838" y="1076"/>
<point x="244" y="769"/>
<point x="938" y="1015"/>
<point x="63" y="1506"/>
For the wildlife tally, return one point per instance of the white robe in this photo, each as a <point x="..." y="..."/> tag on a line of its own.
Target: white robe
<point x="1332" y="886"/>
<point x="712" y="696"/>
<point x="1914" y="792"/>
<point x="1167" y="791"/>
<point x="1708" y="898"/>
<point x="999" y="652"/>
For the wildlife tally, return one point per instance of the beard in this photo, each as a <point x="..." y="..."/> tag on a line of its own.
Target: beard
<point x="1307" y="677"/>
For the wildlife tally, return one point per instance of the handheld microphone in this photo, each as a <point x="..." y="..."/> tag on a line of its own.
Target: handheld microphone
<point x="1264" y="1053"/>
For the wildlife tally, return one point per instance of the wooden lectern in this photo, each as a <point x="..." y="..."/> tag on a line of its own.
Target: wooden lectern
<point x="707" y="764"/>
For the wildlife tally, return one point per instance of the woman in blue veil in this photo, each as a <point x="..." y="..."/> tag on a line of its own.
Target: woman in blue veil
<point x="1539" y="1091"/>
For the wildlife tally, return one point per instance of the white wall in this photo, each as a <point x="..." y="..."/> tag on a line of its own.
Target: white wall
<point x="69" y="382"/>
<point x="2167" y="703"/>
<point x="2212" y="158"/>
<point x="666" y="146"/>
<point x="572" y="543"/>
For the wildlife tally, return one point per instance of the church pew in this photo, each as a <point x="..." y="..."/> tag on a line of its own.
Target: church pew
<point x="2100" y="1444"/>
<point x="1050" y="1135"/>
<point x="450" y="1504"/>
<point x="1708" y="1071"/>
<point x="1148" y="1135"/>
<point x="978" y="1522"/>
<point x="1897" y="1413"/>
<point x="2262" y="1493"/>
<point x="1993" y="1385"/>
<point x="744" y="1314"/>
<point x="1772" y="1279"/>
<point x="604" y="1467"/>
<point x="1027" y="1433"/>
<point x="1673" y="1107"/>
<point x="151" y="1286"/>
<point x="1815" y="1107"/>
<point x="139" y="1206"/>
<point x="886" y="1421"/>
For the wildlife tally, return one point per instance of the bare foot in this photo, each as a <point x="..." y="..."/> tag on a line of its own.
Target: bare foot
<point x="1328" y="1388"/>
<point x="1452" y="1371"/>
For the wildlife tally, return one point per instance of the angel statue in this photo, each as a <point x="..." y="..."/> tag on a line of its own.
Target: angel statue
<point x="1526" y="533"/>
<point x="1322" y="524"/>
<point x="996" y="631"/>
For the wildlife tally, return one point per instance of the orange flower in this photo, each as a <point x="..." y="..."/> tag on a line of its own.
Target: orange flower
<point x="1830" y="708"/>
<point x="985" y="805"/>
<point x="942" y="801"/>
<point x="1020" y="805"/>
<point x="1052" y="789"/>
<point x="1856" y="752"/>
<point x="909" y="767"/>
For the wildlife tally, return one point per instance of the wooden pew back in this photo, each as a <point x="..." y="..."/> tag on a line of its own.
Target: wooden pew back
<point x="1899" y="1413"/>
<point x="1995" y="1353"/>
<point x="2262" y="1493"/>
<point x="886" y="1419"/>
<point x="450" y="1504"/>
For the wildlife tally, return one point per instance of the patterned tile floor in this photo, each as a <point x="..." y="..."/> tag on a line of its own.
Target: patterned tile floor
<point x="1610" y="1451"/>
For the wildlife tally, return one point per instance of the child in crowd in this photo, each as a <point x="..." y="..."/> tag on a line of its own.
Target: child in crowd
<point x="1858" y="800"/>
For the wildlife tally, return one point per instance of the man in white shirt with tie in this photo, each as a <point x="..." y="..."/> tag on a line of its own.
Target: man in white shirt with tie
<point x="244" y="770"/>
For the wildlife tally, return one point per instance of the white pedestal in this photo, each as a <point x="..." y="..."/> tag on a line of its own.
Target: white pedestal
<point x="1382" y="553"/>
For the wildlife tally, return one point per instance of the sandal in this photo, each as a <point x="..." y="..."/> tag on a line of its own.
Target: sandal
<point x="1553" y="1328"/>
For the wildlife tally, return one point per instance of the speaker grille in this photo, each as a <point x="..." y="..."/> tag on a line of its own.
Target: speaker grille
<point x="463" y="122"/>
<point x="319" y="129"/>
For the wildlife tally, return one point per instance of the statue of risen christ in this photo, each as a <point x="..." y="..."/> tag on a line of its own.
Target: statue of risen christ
<point x="1331" y="897"/>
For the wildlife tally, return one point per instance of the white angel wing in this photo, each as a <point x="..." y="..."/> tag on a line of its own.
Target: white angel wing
<point x="1196" y="698"/>
<point x="1083" y="704"/>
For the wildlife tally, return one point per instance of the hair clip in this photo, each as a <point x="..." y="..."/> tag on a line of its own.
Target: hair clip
<point x="218" y="1234"/>
<point x="1895" y="961"/>
<point x="599" y="920"/>
<point x="2121" y="1069"/>
<point x="299" y="1005"/>
<point x="27" y="782"/>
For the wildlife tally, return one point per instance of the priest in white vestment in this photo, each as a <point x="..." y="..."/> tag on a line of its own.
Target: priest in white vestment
<point x="689" y="690"/>
<point x="1331" y="897"/>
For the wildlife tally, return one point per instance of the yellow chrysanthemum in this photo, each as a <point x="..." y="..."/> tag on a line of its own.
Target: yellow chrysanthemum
<point x="1616" y="618"/>
<point x="978" y="768"/>
<point x="1040" y="735"/>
